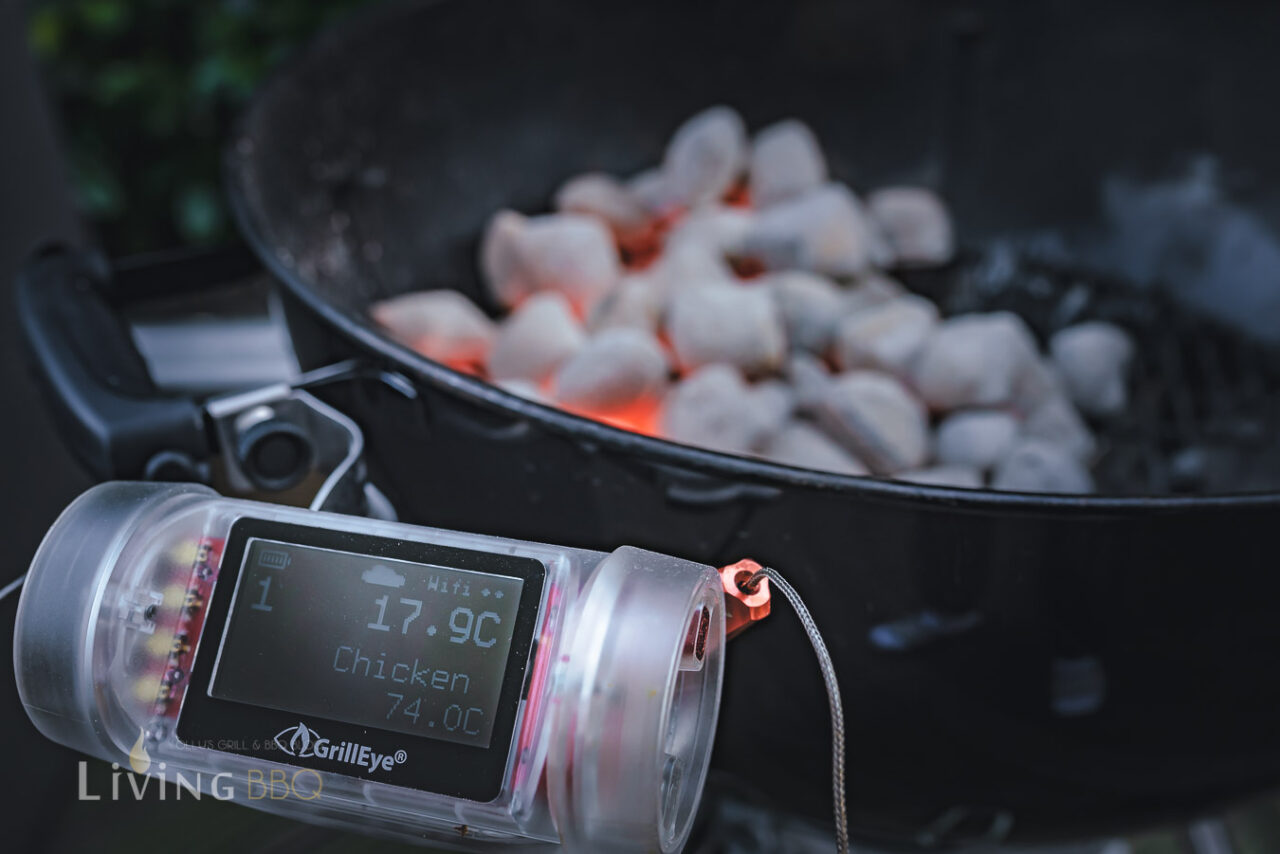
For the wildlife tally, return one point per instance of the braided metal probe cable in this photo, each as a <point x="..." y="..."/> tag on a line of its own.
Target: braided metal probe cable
<point x="12" y="586"/>
<point x="833" y="696"/>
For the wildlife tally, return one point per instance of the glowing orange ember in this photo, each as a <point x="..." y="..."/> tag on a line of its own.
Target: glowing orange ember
<point x="464" y="366"/>
<point x="640" y="417"/>
<point x="640" y="247"/>
<point x="746" y="267"/>
<point x="739" y="195"/>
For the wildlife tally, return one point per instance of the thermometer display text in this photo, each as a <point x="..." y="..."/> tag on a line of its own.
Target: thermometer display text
<point x="368" y="640"/>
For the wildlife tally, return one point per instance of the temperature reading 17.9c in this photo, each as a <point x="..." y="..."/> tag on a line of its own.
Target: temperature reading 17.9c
<point x="464" y="624"/>
<point x="415" y="648"/>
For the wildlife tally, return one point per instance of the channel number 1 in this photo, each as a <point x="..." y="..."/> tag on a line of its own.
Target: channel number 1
<point x="464" y="624"/>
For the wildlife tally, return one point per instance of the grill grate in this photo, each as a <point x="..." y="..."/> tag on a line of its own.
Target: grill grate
<point x="1204" y="414"/>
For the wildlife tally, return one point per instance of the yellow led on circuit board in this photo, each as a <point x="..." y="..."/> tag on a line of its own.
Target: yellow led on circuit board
<point x="174" y="595"/>
<point x="184" y="553"/>
<point x="159" y="644"/>
<point x="146" y="688"/>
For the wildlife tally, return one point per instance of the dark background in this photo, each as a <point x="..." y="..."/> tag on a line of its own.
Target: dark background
<point x="152" y="86"/>
<point x="39" y="477"/>
<point x="39" y="810"/>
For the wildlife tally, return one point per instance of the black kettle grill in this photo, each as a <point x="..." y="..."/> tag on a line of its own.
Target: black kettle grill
<point x="1017" y="667"/>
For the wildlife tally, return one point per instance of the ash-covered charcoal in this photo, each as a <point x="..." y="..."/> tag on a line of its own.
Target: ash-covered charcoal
<point x="730" y="323"/>
<point x="569" y="253"/>
<point x="1039" y="382"/>
<point x="1035" y="465"/>
<point x="810" y="306"/>
<point x="786" y="161"/>
<point x="536" y="339"/>
<point x="636" y="302"/>
<point x="1093" y="361"/>
<point x="975" y="438"/>
<point x="441" y="325"/>
<point x="648" y="188"/>
<point x="501" y="262"/>
<point x="690" y="264"/>
<point x="774" y="403"/>
<point x="809" y="379"/>
<point x="878" y="419"/>
<point x="720" y="230"/>
<point x="974" y="360"/>
<point x="888" y="336"/>
<point x="713" y="408"/>
<point x="1192" y="384"/>
<point x="604" y="197"/>
<point x="804" y="445"/>
<point x="739" y="297"/>
<point x="705" y="157"/>
<point x="616" y="369"/>
<point x="1057" y="422"/>
<point x="826" y="230"/>
<point x="916" y="224"/>
<point x="870" y="289"/>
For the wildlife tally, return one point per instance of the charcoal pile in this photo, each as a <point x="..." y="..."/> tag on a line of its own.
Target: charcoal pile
<point x="737" y="298"/>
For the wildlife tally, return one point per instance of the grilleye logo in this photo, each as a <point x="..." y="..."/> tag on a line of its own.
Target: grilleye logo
<point x="302" y="741"/>
<point x="298" y="740"/>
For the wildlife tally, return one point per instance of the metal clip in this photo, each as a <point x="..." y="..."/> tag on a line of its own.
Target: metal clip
<point x="743" y="608"/>
<point x="275" y="437"/>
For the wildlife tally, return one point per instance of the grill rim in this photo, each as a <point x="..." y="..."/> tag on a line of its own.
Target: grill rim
<point x="357" y="330"/>
<point x="238" y="182"/>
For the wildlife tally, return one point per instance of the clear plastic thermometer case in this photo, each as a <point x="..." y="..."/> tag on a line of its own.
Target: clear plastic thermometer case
<point x="416" y="682"/>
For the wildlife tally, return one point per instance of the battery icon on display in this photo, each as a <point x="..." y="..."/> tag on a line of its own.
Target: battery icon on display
<point x="273" y="558"/>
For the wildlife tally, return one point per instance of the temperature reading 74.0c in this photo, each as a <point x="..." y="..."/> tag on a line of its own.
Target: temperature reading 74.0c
<point x="454" y="718"/>
<point x="464" y="624"/>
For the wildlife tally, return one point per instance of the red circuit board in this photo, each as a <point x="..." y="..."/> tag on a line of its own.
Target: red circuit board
<point x="540" y="668"/>
<point x="187" y="622"/>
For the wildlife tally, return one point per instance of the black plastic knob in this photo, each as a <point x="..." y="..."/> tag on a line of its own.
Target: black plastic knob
<point x="274" y="454"/>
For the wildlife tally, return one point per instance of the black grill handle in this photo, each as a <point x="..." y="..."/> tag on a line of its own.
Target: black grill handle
<point x="102" y="398"/>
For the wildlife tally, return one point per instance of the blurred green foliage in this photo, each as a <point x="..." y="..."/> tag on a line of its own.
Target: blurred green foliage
<point x="147" y="91"/>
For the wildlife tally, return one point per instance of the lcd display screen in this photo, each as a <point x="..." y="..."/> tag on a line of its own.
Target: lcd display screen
<point x="368" y="640"/>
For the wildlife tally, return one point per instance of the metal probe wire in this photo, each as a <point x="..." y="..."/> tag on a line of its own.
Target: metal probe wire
<point x="12" y="586"/>
<point x="833" y="696"/>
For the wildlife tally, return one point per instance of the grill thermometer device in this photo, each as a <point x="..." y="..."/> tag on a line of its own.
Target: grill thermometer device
<point x="380" y="676"/>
